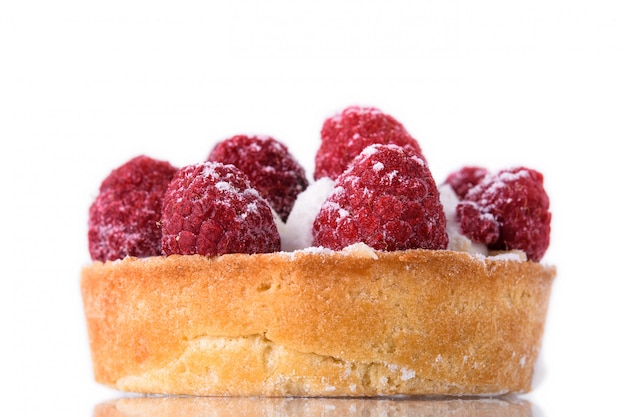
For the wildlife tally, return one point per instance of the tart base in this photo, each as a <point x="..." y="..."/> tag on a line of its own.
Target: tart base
<point x="317" y="323"/>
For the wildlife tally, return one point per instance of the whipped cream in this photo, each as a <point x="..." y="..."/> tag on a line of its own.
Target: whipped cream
<point x="297" y="232"/>
<point x="456" y="240"/>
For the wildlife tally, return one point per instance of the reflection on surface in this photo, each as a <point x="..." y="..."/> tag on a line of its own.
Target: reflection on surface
<point x="327" y="407"/>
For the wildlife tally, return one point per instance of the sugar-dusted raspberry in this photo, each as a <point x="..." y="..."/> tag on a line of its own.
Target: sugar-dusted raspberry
<point x="124" y="218"/>
<point x="462" y="180"/>
<point x="346" y="134"/>
<point x="211" y="209"/>
<point x="272" y="170"/>
<point x="387" y="198"/>
<point x="508" y="210"/>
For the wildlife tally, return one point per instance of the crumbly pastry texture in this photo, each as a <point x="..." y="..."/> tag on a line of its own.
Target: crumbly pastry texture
<point x="355" y="322"/>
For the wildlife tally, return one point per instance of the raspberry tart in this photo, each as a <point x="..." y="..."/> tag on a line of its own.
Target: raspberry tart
<point x="370" y="281"/>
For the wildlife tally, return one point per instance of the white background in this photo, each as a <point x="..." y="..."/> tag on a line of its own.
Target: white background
<point x="85" y="86"/>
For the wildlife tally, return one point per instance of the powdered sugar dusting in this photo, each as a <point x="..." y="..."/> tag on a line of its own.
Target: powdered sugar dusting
<point x="224" y="186"/>
<point x="407" y="374"/>
<point x="355" y="110"/>
<point x="496" y="183"/>
<point x="369" y="151"/>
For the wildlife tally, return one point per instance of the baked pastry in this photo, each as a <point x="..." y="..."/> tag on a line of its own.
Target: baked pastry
<point x="378" y="304"/>
<point x="310" y="407"/>
<point x="311" y="323"/>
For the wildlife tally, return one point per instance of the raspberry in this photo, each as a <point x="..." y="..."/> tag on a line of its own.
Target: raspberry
<point x="387" y="198"/>
<point x="509" y="210"/>
<point x="211" y="209"/>
<point x="462" y="180"/>
<point x="272" y="170"/>
<point x="346" y="134"/>
<point x="124" y="218"/>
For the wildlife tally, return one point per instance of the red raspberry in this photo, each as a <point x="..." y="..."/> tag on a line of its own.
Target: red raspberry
<point x="387" y="198"/>
<point x="346" y="134"/>
<point x="509" y="210"/>
<point x="462" y="180"/>
<point x="211" y="209"/>
<point x="272" y="170"/>
<point x="124" y="218"/>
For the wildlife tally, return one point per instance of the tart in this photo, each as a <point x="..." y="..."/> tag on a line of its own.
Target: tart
<point x="395" y="287"/>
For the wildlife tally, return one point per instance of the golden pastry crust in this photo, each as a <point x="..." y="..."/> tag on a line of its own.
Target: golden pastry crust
<point x="317" y="323"/>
